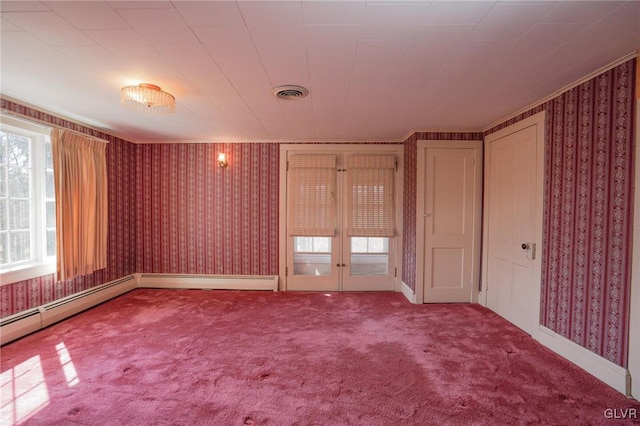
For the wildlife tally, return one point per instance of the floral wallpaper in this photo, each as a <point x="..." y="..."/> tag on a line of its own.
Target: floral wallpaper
<point x="198" y="218"/>
<point x="588" y="203"/>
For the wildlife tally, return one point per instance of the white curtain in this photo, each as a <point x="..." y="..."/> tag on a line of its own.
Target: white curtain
<point x="370" y="195"/>
<point x="80" y="176"/>
<point x="312" y="190"/>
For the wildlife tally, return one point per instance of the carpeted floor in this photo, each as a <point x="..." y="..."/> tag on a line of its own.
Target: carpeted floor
<point x="190" y="357"/>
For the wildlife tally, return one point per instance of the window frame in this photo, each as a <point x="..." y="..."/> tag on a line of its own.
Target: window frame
<point x="40" y="264"/>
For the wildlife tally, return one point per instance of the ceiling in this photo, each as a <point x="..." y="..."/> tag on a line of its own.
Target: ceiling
<point x="375" y="70"/>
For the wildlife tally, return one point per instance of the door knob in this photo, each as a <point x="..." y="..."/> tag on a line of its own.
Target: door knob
<point x="525" y="246"/>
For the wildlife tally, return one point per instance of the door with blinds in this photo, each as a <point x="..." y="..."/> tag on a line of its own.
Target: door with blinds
<point x="341" y="223"/>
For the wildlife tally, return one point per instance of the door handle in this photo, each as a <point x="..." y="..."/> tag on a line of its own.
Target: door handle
<point x="531" y="250"/>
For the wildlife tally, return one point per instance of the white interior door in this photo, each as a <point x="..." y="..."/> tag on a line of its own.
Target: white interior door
<point x="514" y="224"/>
<point x="339" y="262"/>
<point x="451" y="187"/>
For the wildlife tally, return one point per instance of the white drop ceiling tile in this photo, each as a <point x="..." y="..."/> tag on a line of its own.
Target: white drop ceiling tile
<point x="473" y="53"/>
<point x="277" y="130"/>
<point x="416" y="70"/>
<point x="329" y="76"/>
<point x="437" y="33"/>
<point x="142" y="4"/>
<point x="209" y="13"/>
<point x="392" y="20"/>
<point x="439" y="41"/>
<point x="86" y="15"/>
<point x="23" y="6"/>
<point x="325" y="132"/>
<point x="256" y="92"/>
<point x="280" y="74"/>
<point x="334" y="12"/>
<point x="510" y="21"/>
<point x="284" y="63"/>
<point x="159" y="26"/>
<point x="388" y="31"/>
<point x="597" y="38"/>
<point x="624" y="21"/>
<point x="226" y="41"/>
<point x="577" y="12"/>
<point x="259" y="98"/>
<point x="332" y="39"/>
<point x="542" y="39"/>
<point x="92" y="57"/>
<point x="235" y="108"/>
<point x="274" y="23"/>
<point x="298" y="113"/>
<point x="457" y="12"/>
<point x="293" y="50"/>
<point x="394" y="13"/>
<point x="534" y="76"/>
<point x="388" y="51"/>
<point x="6" y="26"/>
<point x="245" y="73"/>
<point x="193" y="61"/>
<point x="156" y="70"/>
<point x="49" y="27"/>
<point x="30" y="47"/>
<point x="123" y="43"/>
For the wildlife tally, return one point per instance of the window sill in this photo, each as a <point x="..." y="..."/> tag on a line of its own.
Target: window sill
<point x="26" y="272"/>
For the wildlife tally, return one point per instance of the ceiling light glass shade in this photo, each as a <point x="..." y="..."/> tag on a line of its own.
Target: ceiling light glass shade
<point x="147" y="99"/>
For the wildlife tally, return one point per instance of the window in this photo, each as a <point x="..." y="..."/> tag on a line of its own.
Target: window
<point x="312" y="255"/>
<point x="369" y="256"/>
<point x="27" y="202"/>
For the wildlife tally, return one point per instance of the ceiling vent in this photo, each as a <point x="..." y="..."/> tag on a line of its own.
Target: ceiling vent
<point x="290" y="92"/>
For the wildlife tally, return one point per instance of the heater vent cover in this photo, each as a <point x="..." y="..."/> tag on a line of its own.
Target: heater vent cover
<point x="290" y="92"/>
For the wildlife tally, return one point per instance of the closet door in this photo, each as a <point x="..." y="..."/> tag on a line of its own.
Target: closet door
<point x="449" y="188"/>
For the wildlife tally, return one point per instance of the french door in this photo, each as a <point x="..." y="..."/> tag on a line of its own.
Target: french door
<point x="340" y="222"/>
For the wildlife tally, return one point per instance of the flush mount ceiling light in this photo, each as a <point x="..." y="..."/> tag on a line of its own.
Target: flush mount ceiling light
<point x="290" y="92"/>
<point x="147" y="99"/>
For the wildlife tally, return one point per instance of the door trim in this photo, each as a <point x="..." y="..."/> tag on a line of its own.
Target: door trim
<point x="634" y="317"/>
<point x="420" y="211"/>
<point x="537" y="120"/>
<point x="397" y="149"/>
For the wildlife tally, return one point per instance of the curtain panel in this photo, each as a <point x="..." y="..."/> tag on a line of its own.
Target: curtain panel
<point x="80" y="176"/>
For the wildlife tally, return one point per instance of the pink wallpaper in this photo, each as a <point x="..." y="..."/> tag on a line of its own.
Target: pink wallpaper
<point x="588" y="204"/>
<point x="122" y="231"/>
<point x="195" y="217"/>
<point x="410" y="195"/>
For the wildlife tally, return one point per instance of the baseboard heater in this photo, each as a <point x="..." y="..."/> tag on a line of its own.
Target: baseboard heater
<point x="209" y="282"/>
<point x="15" y="326"/>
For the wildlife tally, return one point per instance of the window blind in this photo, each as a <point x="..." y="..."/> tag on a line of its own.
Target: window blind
<point x="370" y="195"/>
<point x="312" y="207"/>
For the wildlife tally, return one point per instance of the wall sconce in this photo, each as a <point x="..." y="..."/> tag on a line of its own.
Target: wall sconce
<point x="222" y="160"/>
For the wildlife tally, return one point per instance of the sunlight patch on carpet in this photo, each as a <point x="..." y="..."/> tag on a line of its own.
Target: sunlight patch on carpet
<point x="68" y="368"/>
<point x="23" y="391"/>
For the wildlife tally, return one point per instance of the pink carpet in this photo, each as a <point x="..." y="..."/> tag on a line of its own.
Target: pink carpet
<point x="190" y="357"/>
